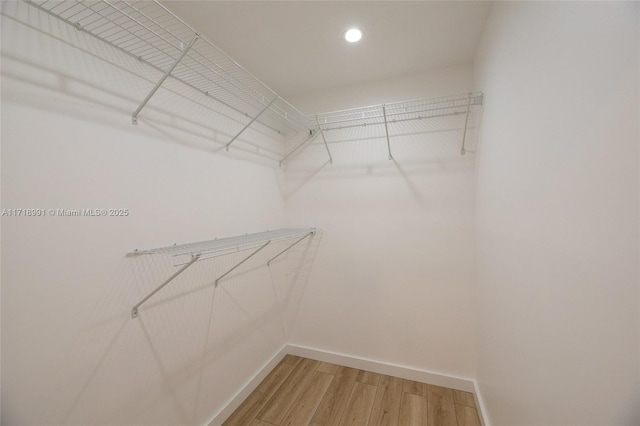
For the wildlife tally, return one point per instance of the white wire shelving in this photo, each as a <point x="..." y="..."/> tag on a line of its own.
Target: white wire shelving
<point x="154" y="35"/>
<point x="148" y="31"/>
<point x="385" y="114"/>
<point x="207" y="249"/>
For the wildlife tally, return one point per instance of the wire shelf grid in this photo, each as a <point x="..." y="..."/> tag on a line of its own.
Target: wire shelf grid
<point x="157" y="37"/>
<point x="228" y="243"/>
<point x="398" y="111"/>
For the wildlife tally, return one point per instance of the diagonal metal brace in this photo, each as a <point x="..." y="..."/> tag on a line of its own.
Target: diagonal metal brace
<point x="241" y="262"/>
<point x="466" y="122"/>
<point x="325" y="141"/>
<point x="285" y="250"/>
<point x="134" y="116"/>
<point x="300" y="145"/>
<point x="251" y="122"/>
<point x="386" y="130"/>
<point x="134" y="311"/>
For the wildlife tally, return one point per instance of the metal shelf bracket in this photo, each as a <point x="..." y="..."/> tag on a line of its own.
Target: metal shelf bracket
<point x="466" y="122"/>
<point x="325" y="141"/>
<point x="134" y="310"/>
<point x="134" y="116"/>
<point x="308" y="140"/>
<point x="287" y="249"/>
<point x="251" y="122"/>
<point x="241" y="262"/>
<point x="386" y="130"/>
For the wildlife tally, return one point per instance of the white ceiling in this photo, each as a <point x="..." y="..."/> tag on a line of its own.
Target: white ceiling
<point x="298" y="46"/>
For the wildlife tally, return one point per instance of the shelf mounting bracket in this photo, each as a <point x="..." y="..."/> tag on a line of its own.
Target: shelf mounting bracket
<point x="251" y="122"/>
<point x="386" y="130"/>
<point x="241" y="262"/>
<point x="134" y="310"/>
<point x="285" y="250"/>
<point x="134" y="116"/>
<point x="308" y="140"/>
<point x="325" y="141"/>
<point x="466" y="121"/>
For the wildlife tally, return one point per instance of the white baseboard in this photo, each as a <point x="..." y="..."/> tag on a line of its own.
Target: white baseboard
<point x="246" y="390"/>
<point x="480" y="404"/>
<point x="409" y="373"/>
<point x="403" y="372"/>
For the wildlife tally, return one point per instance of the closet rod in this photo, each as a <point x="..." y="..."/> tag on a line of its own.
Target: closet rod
<point x="241" y="262"/>
<point x="134" y="116"/>
<point x="134" y="310"/>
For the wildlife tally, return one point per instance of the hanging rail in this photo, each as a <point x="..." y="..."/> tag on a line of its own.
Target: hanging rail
<point x="197" y="250"/>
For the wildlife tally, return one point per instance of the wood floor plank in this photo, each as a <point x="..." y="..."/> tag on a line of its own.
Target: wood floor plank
<point x="259" y="397"/>
<point x="368" y="378"/>
<point x="467" y="416"/>
<point x="463" y="398"/>
<point x="258" y="422"/>
<point x="328" y="368"/>
<point x="305" y="392"/>
<point x="292" y="359"/>
<point x="307" y="402"/>
<point x="413" y="410"/>
<point x="440" y="407"/>
<point x="360" y="405"/>
<point x="416" y="388"/>
<point x="386" y="407"/>
<point x="332" y="406"/>
<point x="276" y="408"/>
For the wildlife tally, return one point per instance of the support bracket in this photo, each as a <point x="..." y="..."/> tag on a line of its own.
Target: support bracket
<point x="325" y="141"/>
<point x="285" y="250"/>
<point x="466" y="122"/>
<point x="308" y="140"/>
<point x="134" y="116"/>
<point x="241" y="262"/>
<point x="386" y="130"/>
<point x="134" y="310"/>
<point x="251" y="122"/>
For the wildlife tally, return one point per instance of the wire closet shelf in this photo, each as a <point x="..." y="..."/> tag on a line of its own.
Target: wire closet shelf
<point x="398" y="111"/>
<point x="154" y="35"/>
<point x="207" y="249"/>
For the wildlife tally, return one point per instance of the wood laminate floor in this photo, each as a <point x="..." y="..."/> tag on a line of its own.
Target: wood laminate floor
<point x="301" y="392"/>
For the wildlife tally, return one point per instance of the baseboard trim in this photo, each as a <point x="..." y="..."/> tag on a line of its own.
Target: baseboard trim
<point x="480" y="404"/>
<point x="404" y="372"/>
<point x="396" y="370"/>
<point x="231" y="406"/>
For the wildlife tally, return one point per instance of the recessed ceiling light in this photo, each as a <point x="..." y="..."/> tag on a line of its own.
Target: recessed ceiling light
<point x="353" y="35"/>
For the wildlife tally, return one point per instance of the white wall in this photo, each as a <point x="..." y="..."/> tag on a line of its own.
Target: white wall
<point x="71" y="354"/>
<point x="437" y="82"/>
<point x="393" y="277"/>
<point x="557" y="214"/>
